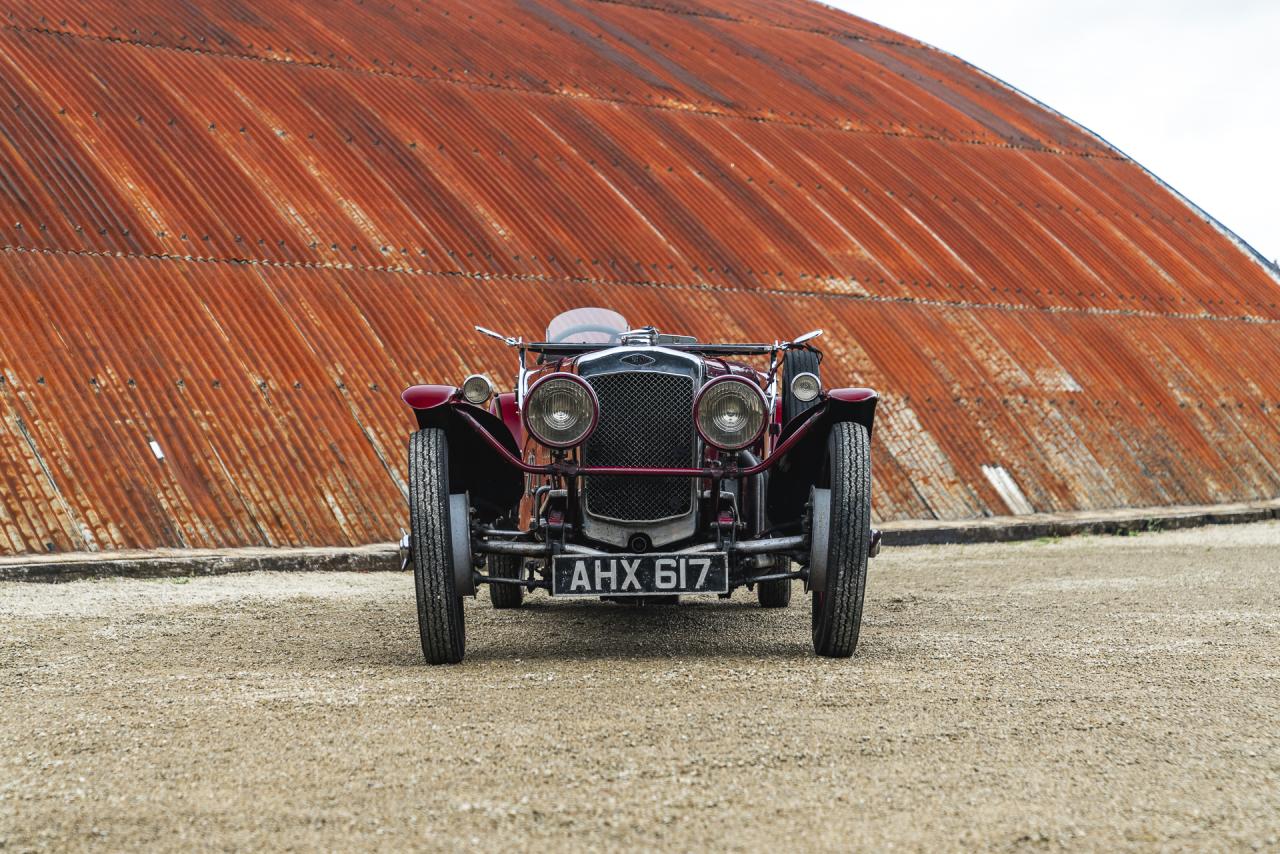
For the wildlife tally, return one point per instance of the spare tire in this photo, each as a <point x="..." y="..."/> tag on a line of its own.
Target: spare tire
<point x="797" y="362"/>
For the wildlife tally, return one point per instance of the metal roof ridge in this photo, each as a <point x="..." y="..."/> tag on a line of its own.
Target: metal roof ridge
<point x="641" y="283"/>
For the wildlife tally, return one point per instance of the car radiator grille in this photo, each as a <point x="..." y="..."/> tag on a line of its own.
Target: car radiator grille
<point x="646" y="419"/>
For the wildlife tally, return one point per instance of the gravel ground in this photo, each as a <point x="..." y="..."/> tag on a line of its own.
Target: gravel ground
<point x="1093" y="693"/>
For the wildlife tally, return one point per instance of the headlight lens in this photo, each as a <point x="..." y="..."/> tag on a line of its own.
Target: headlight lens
<point x="730" y="412"/>
<point x="805" y="387"/>
<point x="476" y="389"/>
<point x="560" y="410"/>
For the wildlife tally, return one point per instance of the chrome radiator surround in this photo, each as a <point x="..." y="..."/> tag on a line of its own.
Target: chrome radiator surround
<point x="646" y="419"/>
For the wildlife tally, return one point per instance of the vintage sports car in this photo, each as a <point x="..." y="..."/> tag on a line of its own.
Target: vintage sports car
<point x="634" y="465"/>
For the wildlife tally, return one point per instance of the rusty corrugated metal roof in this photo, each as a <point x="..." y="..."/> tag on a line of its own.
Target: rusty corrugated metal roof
<point x="236" y="233"/>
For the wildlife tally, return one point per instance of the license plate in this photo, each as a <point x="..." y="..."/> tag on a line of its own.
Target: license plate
<point x="639" y="575"/>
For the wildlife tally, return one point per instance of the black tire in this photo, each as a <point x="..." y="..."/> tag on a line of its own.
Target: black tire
<point x="774" y="594"/>
<point x="797" y="362"/>
<point x="837" y="612"/>
<point x="505" y="596"/>
<point x="439" y="606"/>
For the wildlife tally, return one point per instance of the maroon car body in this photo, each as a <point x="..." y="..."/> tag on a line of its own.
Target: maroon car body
<point x="632" y="464"/>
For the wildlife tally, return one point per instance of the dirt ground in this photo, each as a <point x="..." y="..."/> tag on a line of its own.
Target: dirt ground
<point x="1085" y="693"/>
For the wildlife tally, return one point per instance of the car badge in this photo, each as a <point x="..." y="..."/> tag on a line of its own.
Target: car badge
<point x="639" y="359"/>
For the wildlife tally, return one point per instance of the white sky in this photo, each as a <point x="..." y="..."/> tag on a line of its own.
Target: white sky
<point x="1191" y="90"/>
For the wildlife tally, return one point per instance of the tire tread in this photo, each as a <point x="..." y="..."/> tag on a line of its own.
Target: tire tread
<point x="838" y="621"/>
<point x="440" y="617"/>
<point x="505" y="596"/>
<point x="774" y="594"/>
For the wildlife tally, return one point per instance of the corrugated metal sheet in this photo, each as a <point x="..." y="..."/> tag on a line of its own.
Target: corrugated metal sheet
<point x="237" y="233"/>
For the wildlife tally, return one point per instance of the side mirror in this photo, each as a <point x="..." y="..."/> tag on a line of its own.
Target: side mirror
<point x="808" y="336"/>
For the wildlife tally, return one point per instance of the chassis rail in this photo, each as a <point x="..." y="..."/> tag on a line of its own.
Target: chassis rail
<point x="769" y="545"/>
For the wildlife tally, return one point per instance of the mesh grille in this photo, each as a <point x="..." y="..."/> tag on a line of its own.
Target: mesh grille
<point x="646" y="419"/>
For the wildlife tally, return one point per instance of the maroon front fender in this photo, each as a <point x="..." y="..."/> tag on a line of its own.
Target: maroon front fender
<point x="803" y="446"/>
<point x="428" y="396"/>
<point x="852" y="395"/>
<point x="480" y="447"/>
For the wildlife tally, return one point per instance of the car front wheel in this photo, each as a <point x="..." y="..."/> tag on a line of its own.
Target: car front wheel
<point x="837" y="610"/>
<point x="440" y="623"/>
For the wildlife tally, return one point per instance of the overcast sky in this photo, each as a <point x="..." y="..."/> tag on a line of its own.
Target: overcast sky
<point x="1188" y="88"/>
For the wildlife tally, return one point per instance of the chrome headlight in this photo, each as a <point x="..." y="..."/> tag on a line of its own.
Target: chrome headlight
<point x="561" y="410"/>
<point x="805" y="387"/>
<point x="729" y="412"/>
<point x="476" y="389"/>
